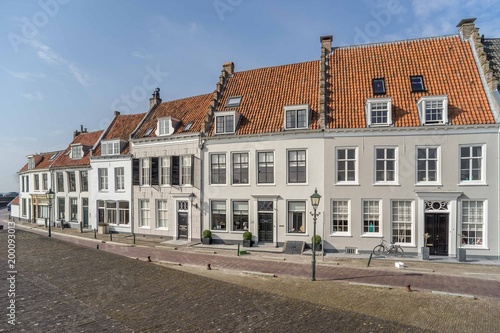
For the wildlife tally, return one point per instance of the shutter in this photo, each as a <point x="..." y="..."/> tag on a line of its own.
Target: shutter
<point x="175" y="170"/>
<point x="192" y="170"/>
<point x="135" y="171"/>
<point x="154" y="171"/>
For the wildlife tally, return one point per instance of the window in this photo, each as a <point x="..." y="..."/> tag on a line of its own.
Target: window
<point x="162" y="214"/>
<point x="427" y="165"/>
<point x="417" y="83"/>
<point x="101" y="209"/>
<point x="473" y="222"/>
<point x="379" y="112"/>
<point x="186" y="171"/>
<point x="123" y="212"/>
<point x="103" y="179"/>
<point x="402" y="221"/>
<point x="120" y="179"/>
<point x="37" y="182"/>
<point x="433" y="110"/>
<point x="144" y="213"/>
<point x="61" y="208"/>
<point x="166" y="126"/>
<point x="340" y="216"/>
<point x="371" y="217"/>
<point x="145" y="171"/>
<point x="218" y="168"/>
<point x="266" y="167"/>
<point x="188" y="127"/>
<point x="84" y="181"/>
<point x="234" y="101"/>
<point x="45" y="181"/>
<point x="22" y="183"/>
<point x="73" y="209"/>
<point x="148" y="132"/>
<point x="240" y="215"/>
<point x="72" y="181"/>
<point x="378" y="86"/>
<point x="111" y="212"/>
<point x="224" y="123"/>
<point x="296" y="217"/>
<point x="28" y="184"/>
<point x="165" y="170"/>
<point x="218" y="215"/>
<point x="76" y="152"/>
<point x="110" y="148"/>
<point x="240" y="168"/>
<point x="31" y="163"/>
<point x="53" y="156"/>
<point x="297" y="117"/>
<point x="385" y="165"/>
<point x="42" y="211"/>
<point x="23" y="208"/>
<point x="296" y="166"/>
<point x="60" y="182"/>
<point x="471" y="163"/>
<point x="346" y="165"/>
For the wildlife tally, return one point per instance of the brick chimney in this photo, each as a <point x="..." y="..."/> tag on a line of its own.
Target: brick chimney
<point x="78" y="132"/>
<point x="466" y="27"/>
<point x="326" y="48"/>
<point x="326" y="43"/>
<point x="155" y="100"/>
<point x="229" y="67"/>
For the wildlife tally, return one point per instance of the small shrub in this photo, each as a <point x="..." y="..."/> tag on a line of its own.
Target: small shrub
<point x="247" y="235"/>
<point x="206" y="234"/>
<point x="316" y="240"/>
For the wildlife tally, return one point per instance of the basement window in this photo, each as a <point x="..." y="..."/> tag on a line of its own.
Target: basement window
<point x="378" y="86"/>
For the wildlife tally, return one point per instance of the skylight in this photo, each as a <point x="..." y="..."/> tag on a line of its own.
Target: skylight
<point x="234" y="101"/>
<point x="417" y="83"/>
<point x="53" y="156"/>
<point x="378" y="86"/>
<point x="148" y="132"/>
<point x="188" y="127"/>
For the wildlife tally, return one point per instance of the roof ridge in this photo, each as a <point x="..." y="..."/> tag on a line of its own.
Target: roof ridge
<point x="410" y="40"/>
<point x="178" y="99"/>
<point x="283" y="65"/>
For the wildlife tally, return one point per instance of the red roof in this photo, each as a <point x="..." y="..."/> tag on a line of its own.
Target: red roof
<point x="121" y="128"/>
<point x="42" y="161"/>
<point x="14" y="201"/>
<point x="87" y="140"/>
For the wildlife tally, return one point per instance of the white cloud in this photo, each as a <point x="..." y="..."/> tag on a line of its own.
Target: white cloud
<point x="46" y="53"/>
<point x="140" y="53"/>
<point x="37" y="96"/>
<point x="25" y="75"/>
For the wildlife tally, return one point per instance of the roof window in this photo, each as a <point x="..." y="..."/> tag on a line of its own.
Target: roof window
<point x="148" y="132"/>
<point x="417" y="83"/>
<point x="233" y="101"/>
<point x="378" y="86"/>
<point x="188" y="127"/>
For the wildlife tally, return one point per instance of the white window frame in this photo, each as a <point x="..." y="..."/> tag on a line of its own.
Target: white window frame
<point x="145" y="172"/>
<point x="484" y="241"/>
<point x="482" y="181"/>
<point x="102" y="174"/>
<point x="212" y="222"/>
<point x="165" y="169"/>
<point x="110" y="148"/>
<point x="144" y="214"/>
<point x="36" y="182"/>
<point x="225" y="129"/>
<point x="31" y="162"/>
<point x="166" y="126"/>
<point x="438" y="165"/>
<point x="162" y="210"/>
<point x="119" y="179"/>
<point x="225" y="168"/>
<point x="266" y="162"/>
<point x="370" y="103"/>
<point x="288" y="166"/>
<point x="396" y="166"/>
<point x="345" y="161"/>
<point x="242" y="153"/>
<point x="380" y="219"/>
<point x="76" y="152"/>
<point x="289" y="221"/>
<point x="246" y="224"/>
<point x="295" y="109"/>
<point x="45" y="181"/>
<point x="423" y="103"/>
<point x="332" y="213"/>
<point x="412" y="222"/>
<point x="120" y="210"/>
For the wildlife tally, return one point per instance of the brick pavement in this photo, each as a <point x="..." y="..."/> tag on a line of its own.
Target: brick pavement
<point x="475" y="286"/>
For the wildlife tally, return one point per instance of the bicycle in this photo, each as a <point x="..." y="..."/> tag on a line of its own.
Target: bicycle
<point x="382" y="248"/>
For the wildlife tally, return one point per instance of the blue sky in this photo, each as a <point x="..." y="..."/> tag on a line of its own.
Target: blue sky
<point x="69" y="62"/>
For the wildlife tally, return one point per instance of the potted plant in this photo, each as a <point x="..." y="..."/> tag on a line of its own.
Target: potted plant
<point x="103" y="228"/>
<point x="425" y="249"/>
<point x="462" y="252"/>
<point x="247" y="239"/>
<point x="316" y="242"/>
<point x="206" y="237"/>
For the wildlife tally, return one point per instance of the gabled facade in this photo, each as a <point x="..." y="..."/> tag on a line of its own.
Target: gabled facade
<point x="111" y="175"/>
<point x="166" y="169"/>
<point x="71" y="180"/>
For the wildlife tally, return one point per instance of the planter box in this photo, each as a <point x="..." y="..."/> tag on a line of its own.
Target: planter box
<point x="462" y="255"/>
<point x="425" y="253"/>
<point x="103" y="229"/>
<point x="206" y="241"/>
<point x="247" y="243"/>
<point x="317" y="247"/>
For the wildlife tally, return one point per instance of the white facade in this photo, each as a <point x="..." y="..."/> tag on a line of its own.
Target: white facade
<point x="33" y="204"/>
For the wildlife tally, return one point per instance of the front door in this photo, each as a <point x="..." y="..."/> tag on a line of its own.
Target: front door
<point x="182" y="219"/>
<point x="85" y="209"/>
<point x="436" y="226"/>
<point x="265" y="227"/>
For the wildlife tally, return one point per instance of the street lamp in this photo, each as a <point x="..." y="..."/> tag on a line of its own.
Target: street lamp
<point x="315" y="198"/>
<point x="50" y="196"/>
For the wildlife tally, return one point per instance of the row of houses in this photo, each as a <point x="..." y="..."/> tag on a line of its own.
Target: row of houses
<point x="401" y="139"/>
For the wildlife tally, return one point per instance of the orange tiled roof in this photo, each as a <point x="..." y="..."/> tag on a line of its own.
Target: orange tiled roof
<point x="14" y="201"/>
<point x="266" y="91"/>
<point x="87" y="140"/>
<point x="187" y="110"/>
<point x="42" y="161"/>
<point x="122" y="126"/>
<point x="446" y="64"/>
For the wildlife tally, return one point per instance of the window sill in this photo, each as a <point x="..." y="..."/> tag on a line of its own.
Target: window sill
<point x="266" y="184"/>
<point x="145" y="227"/>
<point x="219" y="185"/>
<point x="472" y="183"/>
<point x="301" y="234"/>
<point x="162" y="228"/>
<point x="428" y="184"/>
<point x="219" y="231"/>
<point x="240" y="184"/>
<point x="297" y="184"/>
<point x="474" y="247"/>
<point x="338" y="234"/>
<point x="347" y="184"/>
<point x="378" y="235"/>
<point x="386" y="184"/>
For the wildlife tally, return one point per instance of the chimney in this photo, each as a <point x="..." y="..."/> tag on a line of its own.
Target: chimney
<point x="326" y="48"/>
<point x="75" y="134"/>
<point x="155" y="100"/>
<point x="229" y="67"/>
<point x="326" y="43"/>
<point x="466" y="27"/>
<point x="117" y="113"/>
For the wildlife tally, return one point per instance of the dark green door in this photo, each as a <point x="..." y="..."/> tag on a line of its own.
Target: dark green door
<point x="436" y="225"/>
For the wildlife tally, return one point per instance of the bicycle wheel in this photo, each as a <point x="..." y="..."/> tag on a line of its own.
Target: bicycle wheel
<point x="378" y="250"/>
<point x="398" y="251"/>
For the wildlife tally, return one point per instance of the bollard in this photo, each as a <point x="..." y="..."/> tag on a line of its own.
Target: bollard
<point x="95" y="233"/>
<point x="81" y="227"/>
<point x="110" y="236"/>
<point x="62" y="225"/>
<point x="134" y="238"/>
<point x="369" y="260"/>
<point x="238" y="249"/>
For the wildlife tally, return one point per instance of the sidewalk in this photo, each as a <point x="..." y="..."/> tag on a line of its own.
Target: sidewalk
<point x="476" y="279"/>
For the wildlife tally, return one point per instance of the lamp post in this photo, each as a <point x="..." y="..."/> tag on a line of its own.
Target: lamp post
<point x="50" y="196"/>
<point x="315" y="198"/>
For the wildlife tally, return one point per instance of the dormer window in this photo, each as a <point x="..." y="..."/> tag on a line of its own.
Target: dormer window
<point x="378" y="86"/>
<point x="379" y="112"/>
<point x="233" y="101"/>
<point x="166" y="126"/>
<point x="417" y="83"/>
<point x="110" y="148"/>
<point x="31" y="162"/>
<point x="226" y="121"/>
<point x="433" y="110"/>
<point x="76" y="152"/>
<point x="296" y="117"/>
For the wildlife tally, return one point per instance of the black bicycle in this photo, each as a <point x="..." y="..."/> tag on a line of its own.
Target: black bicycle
<point x="383" y="248"/>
